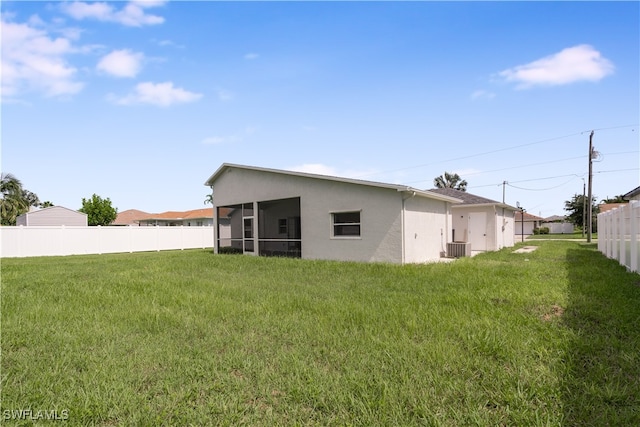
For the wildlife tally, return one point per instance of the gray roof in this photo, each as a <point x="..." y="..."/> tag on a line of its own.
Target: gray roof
<point x="632" y="193"/>
<point x="398" y="187"/>
<point x="469" y="199"/>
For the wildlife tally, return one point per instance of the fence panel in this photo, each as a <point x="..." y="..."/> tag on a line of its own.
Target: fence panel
<point x="619" y="234"/>
<point x="49" y="241"/>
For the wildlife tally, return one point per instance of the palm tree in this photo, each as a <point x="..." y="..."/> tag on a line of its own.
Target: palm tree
<point x="14" y="201"/>
<point x="450" y="180"/>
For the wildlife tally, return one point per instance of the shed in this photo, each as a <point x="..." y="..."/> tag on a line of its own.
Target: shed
<point x="262" y="211"/>
<point x="52" y="216"/>
<point x="487" y="224"/>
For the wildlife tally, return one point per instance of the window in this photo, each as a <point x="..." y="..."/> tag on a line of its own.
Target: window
<point x="346" y="224"/>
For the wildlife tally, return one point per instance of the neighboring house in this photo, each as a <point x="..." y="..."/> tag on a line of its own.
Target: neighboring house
<point x="53" y="216"/>
<point x="530" y="223"/>
<point x="633" y="194"/>
<point x="605" y="207"/>
<point x="130" y="217"/>
<point x="263" y="211"/>
<point x="487" y="224"/>
<point x="558" y="225"/>
<point x="193" y="218"/>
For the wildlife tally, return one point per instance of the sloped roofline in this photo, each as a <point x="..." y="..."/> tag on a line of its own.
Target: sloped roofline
<point x="401" y="188"/>
<point x="53" y="207"/>
<point x="631" y="193"/>
<point x="474" y="200"/>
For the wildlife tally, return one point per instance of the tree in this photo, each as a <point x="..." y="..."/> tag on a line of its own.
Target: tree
<point x="99" y="211"/>
<point x="616" y="199"/>
<point x="450" y="180"/>
<point x="209" y="199"/>
<point x="46" y="204"/>
<point x="576" y="208"/>
<point x="15" y="200"/>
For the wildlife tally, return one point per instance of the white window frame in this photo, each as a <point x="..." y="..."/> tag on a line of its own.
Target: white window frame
<point x="332" y="225"/>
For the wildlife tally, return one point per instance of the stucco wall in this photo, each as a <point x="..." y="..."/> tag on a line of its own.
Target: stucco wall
<point x="381" y="212"/>
<point x="499" y="226"/>
<point x="427" y="227"/>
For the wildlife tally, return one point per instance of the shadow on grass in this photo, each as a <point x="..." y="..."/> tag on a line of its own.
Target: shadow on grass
<point x="601" y="385"/>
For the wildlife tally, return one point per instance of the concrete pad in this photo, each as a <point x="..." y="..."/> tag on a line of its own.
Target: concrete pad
<point x="525" y="250"/>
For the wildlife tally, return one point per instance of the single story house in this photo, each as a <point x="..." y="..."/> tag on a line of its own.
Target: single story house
<point x="52" y="216"/>
<point x="130" y="217"/>
<point x="486" y="224"/>
<point x="633" y="194"/>
<point x="194" y="218"/>
<point x="527" y="226"/>
<point x="262" y="211"/>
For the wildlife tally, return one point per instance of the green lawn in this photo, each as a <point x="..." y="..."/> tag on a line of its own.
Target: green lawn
<point x="548" y="338"/>
<point x="572" y="236"/>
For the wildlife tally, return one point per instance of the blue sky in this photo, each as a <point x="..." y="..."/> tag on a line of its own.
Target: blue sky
<point x="142" y="101"/>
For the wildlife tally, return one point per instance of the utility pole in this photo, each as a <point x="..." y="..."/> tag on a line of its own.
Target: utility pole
<point x="584" y="207"/>
<point x="504" y="184"/>
<point x="590" y="223"/>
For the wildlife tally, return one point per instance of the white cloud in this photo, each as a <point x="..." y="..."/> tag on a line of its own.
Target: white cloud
<point x="33" y="60"/>
<point x="250" y="56"/>
<point x="121" y="63"/>
<point x="482" y="94"/>
<point x="225" y="95"/>
<point x="159" y="94"/>
<point x="570" y="65"/>
<point x="132" y="14"/>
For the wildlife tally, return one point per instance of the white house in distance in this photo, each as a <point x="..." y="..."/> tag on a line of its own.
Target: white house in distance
<point x="193" y="218"/>
<point x="263" y="211"/>
<point x="486" y="224"/>
<point x="526" y="227"/>
<point x="53" y="216"/>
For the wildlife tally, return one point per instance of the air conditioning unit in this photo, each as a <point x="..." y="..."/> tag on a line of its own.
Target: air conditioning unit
<point x="458" y="249"/>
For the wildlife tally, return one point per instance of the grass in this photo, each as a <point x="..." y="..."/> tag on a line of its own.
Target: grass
<point x="572" y="236"/>
<point x="547" y="338"/>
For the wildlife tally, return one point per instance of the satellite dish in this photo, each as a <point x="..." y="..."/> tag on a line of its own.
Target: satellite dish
<point x="518" y="205"/>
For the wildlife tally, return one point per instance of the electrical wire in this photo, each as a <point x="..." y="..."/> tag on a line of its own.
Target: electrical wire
<point x="491" y="152"/>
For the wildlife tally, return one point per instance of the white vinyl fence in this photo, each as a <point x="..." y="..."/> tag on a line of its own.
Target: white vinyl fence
<point x="619" y="234"/>
<point x="61" y="240"/>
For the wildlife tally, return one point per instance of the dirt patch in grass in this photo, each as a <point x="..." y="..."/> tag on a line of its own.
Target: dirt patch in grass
<point x="555" y="312"/>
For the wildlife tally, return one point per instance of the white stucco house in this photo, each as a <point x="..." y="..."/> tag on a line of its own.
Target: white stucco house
<point x="262" y="211"/>
<point x="487" y="225"/>
<point x="53" y="216"/>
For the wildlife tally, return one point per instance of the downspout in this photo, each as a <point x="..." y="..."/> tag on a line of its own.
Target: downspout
<point x="402" y="225"/>
<point x="215" y="222"/>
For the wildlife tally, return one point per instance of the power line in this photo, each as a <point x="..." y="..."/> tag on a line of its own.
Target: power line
<point x="551" y="177"/>
<point x="489" y="152"/>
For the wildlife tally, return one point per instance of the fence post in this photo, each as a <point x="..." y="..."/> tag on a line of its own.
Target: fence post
<point x="634" y="218"/>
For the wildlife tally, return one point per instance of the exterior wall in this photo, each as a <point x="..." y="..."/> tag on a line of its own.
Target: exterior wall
<point x="506" y="231"/>
<point x="381" y="212"/>
<point x="499" y="226"/>
<point x="427" y="226"/>
<point x="62" y="240"/>
<point x="52" y="216"/>
<point x="528" y="227"/>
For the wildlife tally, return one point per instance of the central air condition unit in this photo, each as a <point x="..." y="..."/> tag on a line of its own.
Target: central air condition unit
<point x="458" y="249"/>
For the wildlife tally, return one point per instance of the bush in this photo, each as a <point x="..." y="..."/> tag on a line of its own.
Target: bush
<point x="541" y="230"/>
